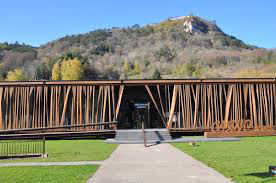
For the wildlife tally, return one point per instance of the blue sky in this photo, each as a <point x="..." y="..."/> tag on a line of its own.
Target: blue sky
<point x="36" y="22"/>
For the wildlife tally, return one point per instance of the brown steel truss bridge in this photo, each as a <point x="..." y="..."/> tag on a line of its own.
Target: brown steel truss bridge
<point x="67" y="107"/>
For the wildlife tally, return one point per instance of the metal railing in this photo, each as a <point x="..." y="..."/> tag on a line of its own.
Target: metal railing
<point x="22" y="148"/>
<point x="81" y="127"/>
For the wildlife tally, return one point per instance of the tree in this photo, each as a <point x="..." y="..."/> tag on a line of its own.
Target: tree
<point x="190" y="69"/>
<point x="146" y="62"/>
<point x="89" y="73"/>
<point x="71" y="70"/>
<point x="137" y="70"/>
<point x="56" y="75"/>
<point x="156" y="74"/>
<point x="165" y="52"/>
<point x="16" y="75"/>
<point x="43" y="72"/>
<point x="1" y="74"/>
<point x="126" y="67"/>
<point x="181" y="71"/>
<point x="198" y="72"/>
<point x="101" y="49"/>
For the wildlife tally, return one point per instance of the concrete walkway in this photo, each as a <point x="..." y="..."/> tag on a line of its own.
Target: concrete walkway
<point x="52" y="163"/>
<point x="133" y="163"/>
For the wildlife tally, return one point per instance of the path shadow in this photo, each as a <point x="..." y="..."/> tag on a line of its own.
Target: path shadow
<point x="260" y="174"/>
<point x="157" y="143"/>
<point x="266" y="176"/>
<point x="160" y="137"/>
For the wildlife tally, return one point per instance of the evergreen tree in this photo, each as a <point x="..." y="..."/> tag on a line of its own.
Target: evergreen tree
<point x="43" y="72"/>
<point x="156" y="74"/>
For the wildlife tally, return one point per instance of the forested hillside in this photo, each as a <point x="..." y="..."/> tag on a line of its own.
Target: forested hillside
<point x="185" y="47"/>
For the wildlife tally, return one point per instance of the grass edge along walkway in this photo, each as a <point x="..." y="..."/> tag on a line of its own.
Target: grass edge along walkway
<point x="72" y="150"/>
<point x="242" y="161"/>
<point x="69" y="163"/>
<point x="47" y="174"/>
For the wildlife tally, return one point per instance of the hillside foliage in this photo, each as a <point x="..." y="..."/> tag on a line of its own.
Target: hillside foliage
<point x="164" y="50"/>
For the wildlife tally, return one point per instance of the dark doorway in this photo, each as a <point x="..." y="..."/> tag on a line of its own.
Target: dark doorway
<point x="135" y="114"/>
<point x="136" y="107"/>
<point x="141" y="115"/>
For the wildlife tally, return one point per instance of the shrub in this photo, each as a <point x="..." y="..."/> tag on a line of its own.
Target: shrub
<point x="165" y="52"/>
<point x="43" y="71"/>
<point x="16" y="75"/>
<point x="101" y="49"/>
<point x="144" y="31"/>
<point x="198" y="72"/>
<point x="146" y="62"/>
<point x="16" y="47"/>
<point x="93" y="37"/>
<point x="136" y="70"/>
<point x="126" y="67"/>
<point x="190" y="70"/>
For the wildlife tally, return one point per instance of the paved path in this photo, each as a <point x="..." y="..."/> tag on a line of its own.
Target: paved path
<point x="132" y="163"/>
<point x="52" y="163"/>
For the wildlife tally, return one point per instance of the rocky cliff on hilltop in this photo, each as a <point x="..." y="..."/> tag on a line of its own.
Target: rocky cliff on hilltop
<point x="198" y="25"/>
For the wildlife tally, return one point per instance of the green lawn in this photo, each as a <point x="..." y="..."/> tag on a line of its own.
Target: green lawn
<point x="73" y="150"/>
<point x="244" y="161"/>
<point x="47" y="174"/>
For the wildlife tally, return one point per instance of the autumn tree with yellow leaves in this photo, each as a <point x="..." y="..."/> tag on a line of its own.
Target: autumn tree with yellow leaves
<point x="70" y="69"/>
<point x="16" y="75"/>
<point x="56" y="72"/>
<point x="126" y="67"/>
